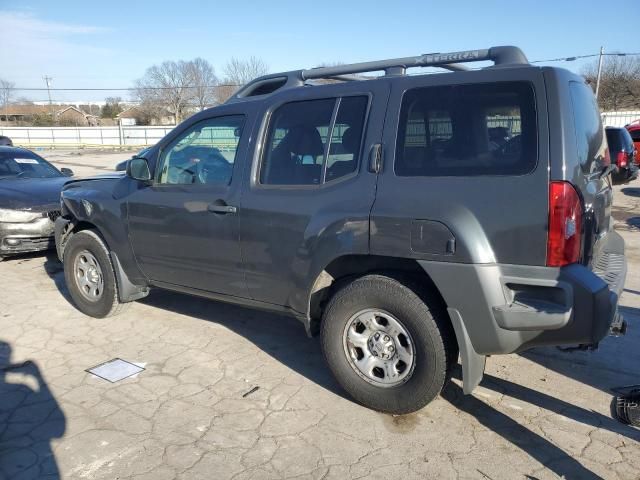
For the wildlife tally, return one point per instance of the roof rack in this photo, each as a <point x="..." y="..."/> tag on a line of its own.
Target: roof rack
<point x="501" y="56"/>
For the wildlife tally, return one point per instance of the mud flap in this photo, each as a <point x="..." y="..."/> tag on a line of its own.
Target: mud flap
<point x="472" y="363"/>
<point x="127" y="291"/>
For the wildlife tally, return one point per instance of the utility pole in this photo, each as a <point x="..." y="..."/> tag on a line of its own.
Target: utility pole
<point x="599" y="71"/>
<point x="47" y="80"/>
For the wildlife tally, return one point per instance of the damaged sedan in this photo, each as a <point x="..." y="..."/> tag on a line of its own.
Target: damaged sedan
<point x="29" y="201"/>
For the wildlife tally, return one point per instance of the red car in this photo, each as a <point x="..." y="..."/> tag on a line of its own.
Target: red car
<point x="634" y="130"/>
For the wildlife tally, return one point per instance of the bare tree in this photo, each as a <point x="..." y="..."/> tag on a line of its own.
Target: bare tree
<point x="169" y="85"/>
<point x="239" y="72"/>
<point x="205" y="82"/>
<point x="6" y="94"/>
<point x="619" y="82"/>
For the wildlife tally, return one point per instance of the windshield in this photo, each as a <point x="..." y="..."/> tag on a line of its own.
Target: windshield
<point x="20" y="164"/>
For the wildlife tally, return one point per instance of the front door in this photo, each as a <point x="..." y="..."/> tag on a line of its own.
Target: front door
<point x="184" y="227"/>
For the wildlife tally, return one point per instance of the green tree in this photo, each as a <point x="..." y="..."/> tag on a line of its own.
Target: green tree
<point x="112" y="107"/>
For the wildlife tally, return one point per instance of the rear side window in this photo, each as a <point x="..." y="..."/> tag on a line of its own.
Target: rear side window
<point x="314" y="142"/>
<point x="614" y="139"/>
<point x="635" y="135"/>
<point x="466" y="130"/>
<point x="586" y="118"/>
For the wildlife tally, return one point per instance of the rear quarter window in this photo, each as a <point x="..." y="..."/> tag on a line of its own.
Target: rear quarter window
<point x="467" y="130"/>
<point x="587" y="122"/>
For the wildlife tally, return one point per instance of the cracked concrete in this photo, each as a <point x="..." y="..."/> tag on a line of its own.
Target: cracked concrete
<point x="542" y="414"/>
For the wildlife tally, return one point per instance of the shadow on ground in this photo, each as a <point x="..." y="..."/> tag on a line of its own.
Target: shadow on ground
<point x="631" y="191"/>
<point x="534" y="445"/>
<point x="626" y="216"/>
<point x="30" y="418"/>
<point x="282" y="337"/>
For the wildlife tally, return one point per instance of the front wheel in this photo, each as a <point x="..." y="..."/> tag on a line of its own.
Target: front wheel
<point x="386" y="347"/>
<point x="89" y="275"/>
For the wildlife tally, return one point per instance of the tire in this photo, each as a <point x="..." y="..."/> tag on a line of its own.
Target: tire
<point x="429" y="343"/>
<point x="87" y="245"/>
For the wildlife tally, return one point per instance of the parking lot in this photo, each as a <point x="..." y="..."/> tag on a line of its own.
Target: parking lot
<point x="236" y="393"/>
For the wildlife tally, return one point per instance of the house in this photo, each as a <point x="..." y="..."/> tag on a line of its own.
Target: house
<point x="24" y="112"/>
<point x="72" y="117"/>
<point x="31" y="114"/>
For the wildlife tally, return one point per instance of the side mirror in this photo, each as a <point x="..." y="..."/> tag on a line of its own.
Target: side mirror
<point x="138" y="169"/>
<point x="122" y="166"/>
<point x="67" y="172"/>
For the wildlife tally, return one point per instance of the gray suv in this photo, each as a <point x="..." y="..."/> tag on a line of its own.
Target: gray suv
<point x="408" y="219"/>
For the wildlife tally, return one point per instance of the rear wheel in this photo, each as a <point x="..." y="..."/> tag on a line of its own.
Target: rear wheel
<point x="386" y="347"/>
<point x="89" y="275"/>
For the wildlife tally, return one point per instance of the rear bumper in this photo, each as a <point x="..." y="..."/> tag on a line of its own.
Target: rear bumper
<point x="510" y="308"/>
<point x="26" y="237"/>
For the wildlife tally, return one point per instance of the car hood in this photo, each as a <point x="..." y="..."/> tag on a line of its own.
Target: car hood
<point x="31" y="193"/>
<point x="76" y="182"/>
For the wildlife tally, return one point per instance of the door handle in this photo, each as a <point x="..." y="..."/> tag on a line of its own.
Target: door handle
<point x="375" y="158"/>
<point x="221" y="208"/>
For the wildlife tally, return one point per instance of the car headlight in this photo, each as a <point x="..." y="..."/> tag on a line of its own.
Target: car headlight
<point x="18" y="216"/>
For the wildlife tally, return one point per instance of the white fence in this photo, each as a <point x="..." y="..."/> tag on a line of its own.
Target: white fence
<point x="85" y="137"/>
<point x="620" y="119"/>
<point x="137" y="137"/>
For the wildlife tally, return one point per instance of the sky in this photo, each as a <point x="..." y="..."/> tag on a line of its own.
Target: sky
<point x="109" y="44"/>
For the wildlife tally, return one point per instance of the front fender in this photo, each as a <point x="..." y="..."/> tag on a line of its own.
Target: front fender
<point x="94" y="204"/>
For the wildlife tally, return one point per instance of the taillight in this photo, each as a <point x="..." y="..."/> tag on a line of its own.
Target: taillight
<point x="621" y="160"/>
<point x="565" y="225"/>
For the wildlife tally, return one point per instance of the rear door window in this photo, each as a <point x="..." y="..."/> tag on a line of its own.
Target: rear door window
<point x="314" y="142"/>
<point x="466" y="130"/>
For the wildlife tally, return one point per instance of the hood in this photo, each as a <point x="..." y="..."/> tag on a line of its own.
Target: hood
<point x="100" y="176"/>
<point x="31" y="193"/>
<point x="73" y="182"/>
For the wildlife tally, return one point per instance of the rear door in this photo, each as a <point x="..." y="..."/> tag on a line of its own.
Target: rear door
<point x="465" y="169"/>
<point x="309" y="194"/>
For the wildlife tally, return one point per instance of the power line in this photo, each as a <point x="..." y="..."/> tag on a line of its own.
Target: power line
<point x="578" y="57"/>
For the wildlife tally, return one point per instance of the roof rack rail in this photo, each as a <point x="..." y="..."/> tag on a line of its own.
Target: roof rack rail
<point x="501" y="56"/>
